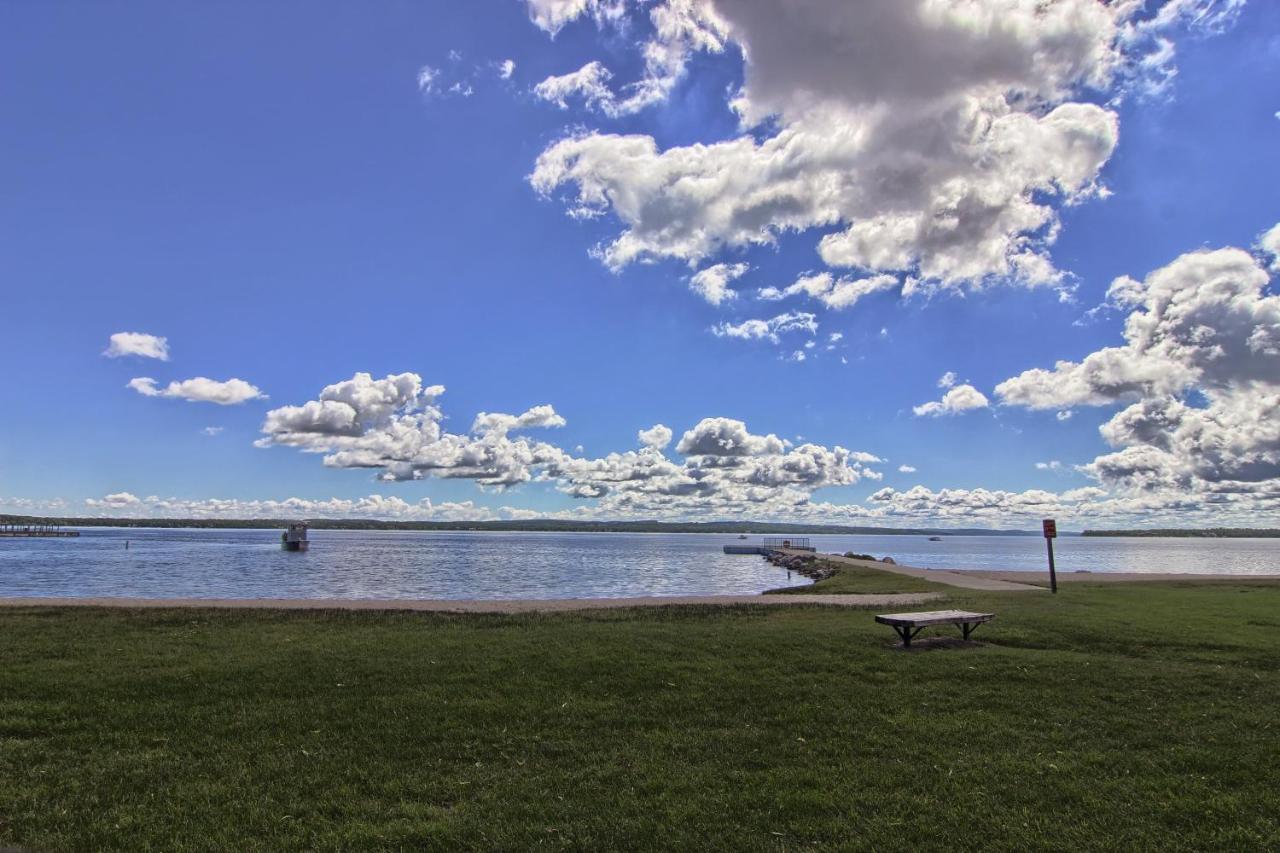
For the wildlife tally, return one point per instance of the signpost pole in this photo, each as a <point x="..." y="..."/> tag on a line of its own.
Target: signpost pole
<point x="1050" y="531"/>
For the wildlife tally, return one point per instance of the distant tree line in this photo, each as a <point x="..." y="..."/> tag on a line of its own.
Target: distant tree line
<point x="526" y="525"/>
<point x="1204" y="532"/>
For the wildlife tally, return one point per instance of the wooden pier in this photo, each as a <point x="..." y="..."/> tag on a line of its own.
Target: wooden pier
<point x="41" y="530"/>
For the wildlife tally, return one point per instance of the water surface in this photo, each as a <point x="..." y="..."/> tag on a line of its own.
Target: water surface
<point x="460" y="565"/>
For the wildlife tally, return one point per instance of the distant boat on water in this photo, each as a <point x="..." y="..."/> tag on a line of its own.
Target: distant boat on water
<point x="742" y="536"/>
<point x="935" y="538"/>
<point x="295" y="537"/>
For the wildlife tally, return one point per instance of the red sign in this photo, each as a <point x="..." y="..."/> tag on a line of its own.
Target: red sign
<point x="1050" y="528"/>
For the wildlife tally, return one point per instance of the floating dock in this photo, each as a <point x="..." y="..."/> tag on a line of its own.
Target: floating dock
<point x="40" y="530"/>
<point x="771" y="544"/>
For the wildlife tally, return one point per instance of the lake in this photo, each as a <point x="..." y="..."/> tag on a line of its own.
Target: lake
<point x="163" y="563"/>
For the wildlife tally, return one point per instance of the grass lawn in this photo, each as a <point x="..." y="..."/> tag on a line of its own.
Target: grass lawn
<point x="1117" y="717"/>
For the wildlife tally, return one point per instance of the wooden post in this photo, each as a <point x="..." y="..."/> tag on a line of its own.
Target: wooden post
<point x="1050" y="531"/>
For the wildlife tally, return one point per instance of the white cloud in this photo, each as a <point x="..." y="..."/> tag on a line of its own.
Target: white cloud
<point x="712" y="283"/>
<point x="116" y="501"/>
<point x="1269" y="244"/>
<point x="506" y="68"/>
<point x="771" y="329"/>
<point x="1200" y="372"/>
<point x="961" y="398"/>
<point x="590" y="82"/>
<point x="427" y="79"/>
<point x="906" y="469"/>
<point x="835" y="293"/>
<point x="391" y="426"/>
<point x="373" y="506"/>
<point x="200" y="390"/>
<point x="139" y="344"/>
<point x="680" y="27"/>
<point x="552" y="15"/>
<point x="212" y="430"/>
<point x="1053" y="465"/>
<point x="1065" y="415"/>
<point x="947" y="380"/>
<point x="656" y="437"/>
<point x="939" y="139"/>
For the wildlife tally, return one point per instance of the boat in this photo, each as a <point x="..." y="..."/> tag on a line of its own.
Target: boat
<point x="742" y="536"/>
<point x="935" y="538"/>
<point x="295" y="538"/>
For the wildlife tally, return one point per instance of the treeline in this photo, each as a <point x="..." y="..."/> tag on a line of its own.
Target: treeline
<point x="1204" y="533"/>
<point x="527" y="525"/>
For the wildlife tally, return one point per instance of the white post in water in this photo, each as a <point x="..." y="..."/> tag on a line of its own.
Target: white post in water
<point x="1050" y="532"/>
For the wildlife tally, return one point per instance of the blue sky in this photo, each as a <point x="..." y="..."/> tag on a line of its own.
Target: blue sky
<point x="272" y="189"/>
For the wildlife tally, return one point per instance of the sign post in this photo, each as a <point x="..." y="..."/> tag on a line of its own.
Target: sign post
<point x="1050" y="531"/>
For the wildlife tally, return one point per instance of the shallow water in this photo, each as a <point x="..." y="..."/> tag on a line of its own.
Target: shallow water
<point x="460" y="565"/>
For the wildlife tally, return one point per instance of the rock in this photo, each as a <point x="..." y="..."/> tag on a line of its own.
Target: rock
<point x="890" y="561"/>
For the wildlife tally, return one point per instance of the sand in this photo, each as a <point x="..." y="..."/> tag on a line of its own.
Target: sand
<point x="481" y="606"/>
<point x="1042" y="578"/>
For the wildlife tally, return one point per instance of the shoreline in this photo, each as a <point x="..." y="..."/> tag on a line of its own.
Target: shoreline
<point x="1041" y="578"/>
<point x="441" y="605"/>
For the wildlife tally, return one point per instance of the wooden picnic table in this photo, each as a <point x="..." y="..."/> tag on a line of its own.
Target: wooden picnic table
<point x="909" y="624"/>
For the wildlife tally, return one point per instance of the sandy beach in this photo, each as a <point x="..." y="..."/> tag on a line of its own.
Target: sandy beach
<point x="481" y="605"/>
<point x="1042" y="578"/>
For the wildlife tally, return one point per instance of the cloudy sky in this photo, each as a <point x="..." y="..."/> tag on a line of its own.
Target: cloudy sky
<point x="967" y="262"/>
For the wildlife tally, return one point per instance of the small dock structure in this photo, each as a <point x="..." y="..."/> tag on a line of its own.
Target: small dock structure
<point x="294" y="537"/>
<point x="41" y="530"/>
<point x="771" y="544"/>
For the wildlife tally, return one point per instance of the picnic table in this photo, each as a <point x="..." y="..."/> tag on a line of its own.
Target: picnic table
<point x="909" y="624"/>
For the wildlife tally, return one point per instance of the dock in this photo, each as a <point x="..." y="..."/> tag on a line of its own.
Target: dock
<point x="41" y="530"/>
<point x="772" y="544"/>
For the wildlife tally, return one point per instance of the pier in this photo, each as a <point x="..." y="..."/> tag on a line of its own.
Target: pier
<point x="42" y="530"/>
<point x="770" y="544"/>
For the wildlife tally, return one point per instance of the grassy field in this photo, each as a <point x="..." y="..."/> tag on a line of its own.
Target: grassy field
<point x="1119" y="717"/>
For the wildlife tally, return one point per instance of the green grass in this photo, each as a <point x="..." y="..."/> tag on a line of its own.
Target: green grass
<point x="859" y="579"/>
<point x="1111" y="718"/>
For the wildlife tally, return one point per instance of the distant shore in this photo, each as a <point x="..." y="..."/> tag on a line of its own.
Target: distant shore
<point x="536" y="525"/>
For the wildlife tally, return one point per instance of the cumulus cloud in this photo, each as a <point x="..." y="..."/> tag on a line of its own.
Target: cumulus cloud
<point x="1199" y="372"/>
<point x="961" y="398"/>
<point x="393" y="426"/>
<point x="506" y="68"/>
<point x="947" y="380"/>
<point x="906" y="469"/>
<point x="1052" y="465"/>
<point x="656" y="437"/>
<point x="712" y="283"/>
<point x="139" y="344"/>
<point x="373" y="506"/>
<point x="115" y="501"/>
<point x="771" y="329"/>
<point x="200" y="390"/>
<point x="938" y="140"/>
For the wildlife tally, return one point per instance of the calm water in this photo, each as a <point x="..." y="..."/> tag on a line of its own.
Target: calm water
<point x="382" y="564"/>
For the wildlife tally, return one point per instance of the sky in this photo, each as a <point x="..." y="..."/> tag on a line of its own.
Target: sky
<point x="956" y="262"/>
